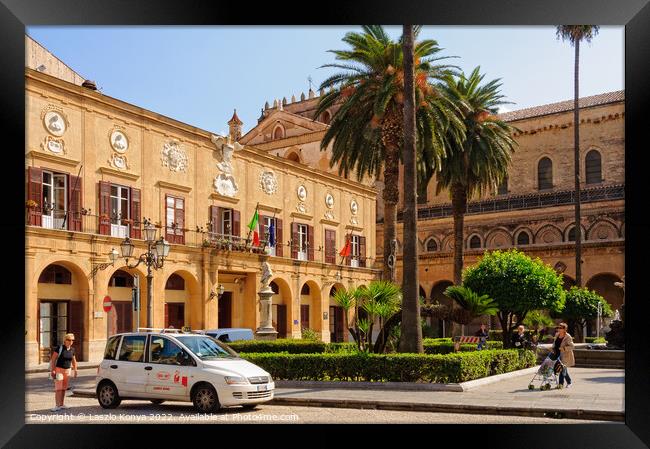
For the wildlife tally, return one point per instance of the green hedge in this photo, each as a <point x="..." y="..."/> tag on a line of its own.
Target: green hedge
<point x="446" y="347"/>
<point x="448" y="368"/>
<point x="292" y="346"/>
<point x="595" y="340"/>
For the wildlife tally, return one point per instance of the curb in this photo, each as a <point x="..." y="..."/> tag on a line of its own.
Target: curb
<point x="471" y="384"/>
<point x="395" y="386"/>
<point x="604" y="415"/>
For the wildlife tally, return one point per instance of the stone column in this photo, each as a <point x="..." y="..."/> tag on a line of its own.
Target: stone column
<point x="265" y="331"/>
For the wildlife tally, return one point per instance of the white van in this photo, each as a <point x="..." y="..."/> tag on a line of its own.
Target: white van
<point x="164" y="366"/>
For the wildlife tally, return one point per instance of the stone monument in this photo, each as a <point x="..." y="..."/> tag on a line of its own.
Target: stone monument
<point x="265" y="331"/>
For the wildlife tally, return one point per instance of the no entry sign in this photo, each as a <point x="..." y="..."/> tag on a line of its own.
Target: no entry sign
<point x="108" y="303"/>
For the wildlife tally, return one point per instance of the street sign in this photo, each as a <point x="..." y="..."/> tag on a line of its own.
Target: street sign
<point x="108" y="304"/>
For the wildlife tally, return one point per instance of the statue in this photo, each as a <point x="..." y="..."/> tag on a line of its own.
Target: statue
<point x="226" y="148"/>
<point x="267" y="274"/>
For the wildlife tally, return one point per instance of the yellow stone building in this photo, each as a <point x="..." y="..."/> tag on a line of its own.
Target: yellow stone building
<point x="97" y="168"/>
<point x="533" y="210"/>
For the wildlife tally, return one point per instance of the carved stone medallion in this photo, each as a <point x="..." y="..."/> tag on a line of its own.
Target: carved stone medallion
<point x="268" y="182"/>
<point x="354" y="207"/>
<point x="119" y="141"/>
<point x="174" y="157"/>
<point x="54" y="145"/>
<point x="329" y="201"/>
<point x="329" y="215"/>
<point x="118" y="161"/>
<point x="226" y="185"/>
<point x="302" y="192"/>
<point x="55" y="122"/>
<point x="301" y="207"/>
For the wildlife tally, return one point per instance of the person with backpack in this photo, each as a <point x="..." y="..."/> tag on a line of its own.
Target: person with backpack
<point x="61" y="363"/>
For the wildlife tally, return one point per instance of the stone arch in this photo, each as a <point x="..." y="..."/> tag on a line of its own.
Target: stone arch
<point x="431" y="245"/>
<point x="336" y="316"/>
<point x="311" y="307"/>
<point x="278" y="132"/>
<point x="499" y="238"/>
<point x="120" y="286"/>
<point x="603" y="229"/>
<point x="523" y="230"/>
<point x="603" y="284"/>
<point x="474" y="241"/>
<point x="182" y="301"/>
<point x="548" y="234"/>
<point x="293" y="154"/>
<point x="447" y="243"/>
<point x="326" y="117"/>
<point x="422" y="292"/>
<point x="61" y="306"/>
<point x="281" y="307"/>
<point x="567" y="232"/>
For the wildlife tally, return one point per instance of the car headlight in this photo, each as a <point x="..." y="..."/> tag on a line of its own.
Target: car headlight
<point x="234" y="380"/>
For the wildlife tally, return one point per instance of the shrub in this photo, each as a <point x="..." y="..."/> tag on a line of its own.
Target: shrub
<point x="426" y="368"/>
<point x="595" y="340"/>
<point x="447" y="346"/>
<point x="281" y="345"/>
<point x="310" y="334"/>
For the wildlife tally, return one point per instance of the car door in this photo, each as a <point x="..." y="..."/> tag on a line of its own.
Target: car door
<point x="167" y="377"/>
<point x="127" y="372"/>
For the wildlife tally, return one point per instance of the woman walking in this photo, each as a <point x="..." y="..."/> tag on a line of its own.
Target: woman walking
<point x="63" y="360"/>
<point x="563" y="346"/>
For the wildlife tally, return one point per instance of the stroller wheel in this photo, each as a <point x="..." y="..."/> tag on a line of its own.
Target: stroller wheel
<point x="541" y="387"/>
<point x="548" y="386"/>
<point x="531" y="387"/>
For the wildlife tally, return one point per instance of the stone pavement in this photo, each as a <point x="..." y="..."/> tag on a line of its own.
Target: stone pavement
<point x="595" y="394"/>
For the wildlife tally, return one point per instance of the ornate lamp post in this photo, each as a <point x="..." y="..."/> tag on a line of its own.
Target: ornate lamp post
<point x="153" y="258"/>
<point x="113" y="256"/>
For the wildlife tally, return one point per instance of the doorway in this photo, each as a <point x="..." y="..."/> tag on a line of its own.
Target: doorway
<point x="225" y="310"/>
<point x="336" y="324"/>
<point x="280" y="319"/>
<point x="175" y="315"/>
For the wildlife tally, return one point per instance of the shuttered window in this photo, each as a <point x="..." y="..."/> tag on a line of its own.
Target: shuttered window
<point x="175" y="219"/>
<point x="330" y="246"/>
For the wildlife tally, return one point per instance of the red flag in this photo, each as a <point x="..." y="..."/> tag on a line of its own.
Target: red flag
<point x="256" y="238"/>
<point x="345" y="252"/>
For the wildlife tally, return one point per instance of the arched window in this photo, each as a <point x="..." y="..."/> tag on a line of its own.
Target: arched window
<point x="432" y="245"/>
<point x="293" y="156"/>
<point x="502" y="189"/>
<point x="475" y="242"/>
<point x="545" y="174"/>
<point x="572" y="235"/>
<point x="305" y="290"/>
<point x="523" y="238"/>
<point x="278" y="132"/>
<point x="175" y="282"/>
<point x="55" y="274"/>
<point x="121" y="279"/>
<point x="326" y="117"/>
<point x="593" y="167"/>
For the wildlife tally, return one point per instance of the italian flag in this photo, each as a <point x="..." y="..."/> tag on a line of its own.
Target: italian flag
<point x="252" y="226"/>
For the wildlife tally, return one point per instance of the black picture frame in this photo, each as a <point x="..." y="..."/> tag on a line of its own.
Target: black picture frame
<point x="633" y="14"/>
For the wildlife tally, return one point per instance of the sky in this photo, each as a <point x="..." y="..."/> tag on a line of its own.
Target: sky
<point x="200" y="74"/>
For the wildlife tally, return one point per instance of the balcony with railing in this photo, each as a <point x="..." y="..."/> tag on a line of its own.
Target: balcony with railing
<point x="523" y="202"/>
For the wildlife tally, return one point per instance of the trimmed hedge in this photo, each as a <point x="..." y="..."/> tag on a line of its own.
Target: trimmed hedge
<point x="448" y="347"/>
<point x="426" y="368"/>
<point x="292" y="346"/>
<point x="595" y="340"/>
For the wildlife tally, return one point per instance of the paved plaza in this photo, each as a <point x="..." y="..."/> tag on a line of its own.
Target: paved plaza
<point x="507" y="401"/>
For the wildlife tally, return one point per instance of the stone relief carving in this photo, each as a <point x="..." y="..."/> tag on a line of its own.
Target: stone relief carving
<point x="302" y="192"/>
<point x="329" y="215"/>
<point x="54" y="145"/>
<point x="354" y="221"/>
<point x="226" y="185"/>
<point x="119" y="141"/>
<point x="54" y="120"/>
<point x="174" y="157"/>
<point x="268" y="182"/>
<point x="301" y="207"/>
<point x="354" y="207"/>
<point x="329" y="201"/>
<point x="118" y="161"/>
<point x="225" y="148"/>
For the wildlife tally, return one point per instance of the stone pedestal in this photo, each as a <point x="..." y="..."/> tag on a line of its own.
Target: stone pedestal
<point x="266" y="330"/>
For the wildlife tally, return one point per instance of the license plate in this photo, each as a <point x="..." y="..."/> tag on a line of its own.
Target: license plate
<point x="262" y="387"/>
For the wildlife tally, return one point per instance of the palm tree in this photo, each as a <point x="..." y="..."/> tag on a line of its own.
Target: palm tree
<point x="481" y="160"/>
<point x="411" y="331"/>
<point x="574" y="34"/>
<point x="367" y="129"/>
<point x="472" y="304"/>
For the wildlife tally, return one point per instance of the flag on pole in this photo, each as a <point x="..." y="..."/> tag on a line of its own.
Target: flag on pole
<point x="252" y="226"/>
<point x="272" y="233"/>
<point x="345" y="252"/>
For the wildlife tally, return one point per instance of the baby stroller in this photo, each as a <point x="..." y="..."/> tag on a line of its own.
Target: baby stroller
<point x="547" y="373"/>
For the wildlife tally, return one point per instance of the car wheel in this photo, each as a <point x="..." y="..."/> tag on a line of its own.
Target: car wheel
<point x="107" y="395"/>
<point x="249" y="406"/>
<point x="157" y="401"/>
<point x="205" y="399"/>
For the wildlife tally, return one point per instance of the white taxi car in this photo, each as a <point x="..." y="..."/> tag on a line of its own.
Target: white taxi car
<point x="163" y="366"/>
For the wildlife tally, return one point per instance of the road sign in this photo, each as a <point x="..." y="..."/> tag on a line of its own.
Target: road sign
<point x="108" y="304"/>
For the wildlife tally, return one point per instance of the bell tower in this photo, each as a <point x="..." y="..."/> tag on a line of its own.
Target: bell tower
<point x="234" y="126"/>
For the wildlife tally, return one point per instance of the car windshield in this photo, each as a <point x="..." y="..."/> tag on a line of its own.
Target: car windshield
<point x="207" y="348"/>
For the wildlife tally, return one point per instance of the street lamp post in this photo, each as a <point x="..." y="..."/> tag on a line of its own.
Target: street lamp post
<point x="153" y="258"/>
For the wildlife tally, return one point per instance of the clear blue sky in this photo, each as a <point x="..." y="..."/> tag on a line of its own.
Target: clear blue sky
<point x="199" y="74"/>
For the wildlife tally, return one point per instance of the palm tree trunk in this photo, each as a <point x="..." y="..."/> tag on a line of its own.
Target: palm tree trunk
<point x="458" y="207"/>
<point x="391" y="197"/>
<point x="576" y="161"/>
<point x="411" y="331"/>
